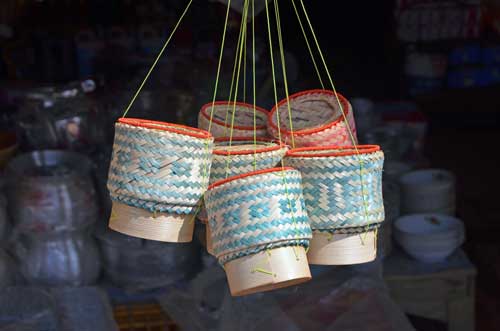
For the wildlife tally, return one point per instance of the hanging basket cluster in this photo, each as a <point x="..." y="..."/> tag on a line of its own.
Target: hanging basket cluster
<point x="277" y="190"/>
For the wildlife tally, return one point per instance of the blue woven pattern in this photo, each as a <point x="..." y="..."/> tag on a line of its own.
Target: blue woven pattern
<point x="224" y="166"/>
<point x="250" y="214"/>
<point x="158" y="170"/>
<point x="333" y="189"/>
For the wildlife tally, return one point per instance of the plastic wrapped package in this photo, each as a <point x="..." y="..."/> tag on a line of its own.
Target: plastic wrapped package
<point x="68" y="259"/>
<point x="83" y="309"/>
<point x="336" y="300"/>
<point x="51" y="191"/>
<point x="61" y="117"/>
<point x="143" y="264"/>
<point x="27" y="309"/>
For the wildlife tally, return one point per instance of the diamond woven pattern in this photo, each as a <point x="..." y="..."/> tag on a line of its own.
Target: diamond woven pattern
<point x="333" y="189"/>
<point x="251" y="214"/>
<point x="159" y="170"/>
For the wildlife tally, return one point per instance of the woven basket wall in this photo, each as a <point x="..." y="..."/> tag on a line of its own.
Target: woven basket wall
<point x="316" y="118"/>
<point x="159" y="167"/>
<point x="257" y="211"/>
<point x="340" y="193"/>
<point x="222" y="119"/>
<point x="244" y="155"/>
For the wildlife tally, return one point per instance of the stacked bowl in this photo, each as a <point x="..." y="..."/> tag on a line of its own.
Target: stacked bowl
<point x="429" y="238"/>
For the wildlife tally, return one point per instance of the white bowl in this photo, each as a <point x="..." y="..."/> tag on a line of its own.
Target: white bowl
<point x="429" y="237"/>
<point x="428" y="191"/>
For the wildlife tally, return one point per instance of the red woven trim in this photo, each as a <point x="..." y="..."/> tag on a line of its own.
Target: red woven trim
<point x="332" y="151"/>
<point x="343" y="102"/>
<point x="248" y="174"/>
<point x="164" y="126"/>
<point x="279" y="145"/>
<point x="204" y="113"/>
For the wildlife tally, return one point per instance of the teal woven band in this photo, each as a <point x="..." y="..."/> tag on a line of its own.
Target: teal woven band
<point x="159" y="170"/>
<point x="251" y="214"/>
<point x="337" y="195"/>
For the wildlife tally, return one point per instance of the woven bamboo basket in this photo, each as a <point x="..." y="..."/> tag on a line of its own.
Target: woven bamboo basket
<point x="221" y="113"/>
<point x="316" y="118"/>
<point x="260" y="229"/>
<point x="239" y="155"/>
<point x="342" y="190"/>
<point x="158" y="173"/>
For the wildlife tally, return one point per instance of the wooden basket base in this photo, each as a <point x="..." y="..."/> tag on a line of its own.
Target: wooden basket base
<point x="268" y="270"/>
<point x="342" y="249"/>
<point x="141" y="223"/>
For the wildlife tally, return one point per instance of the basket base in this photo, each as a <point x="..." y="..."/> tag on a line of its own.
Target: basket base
<point x="268" y="270"/>
<point x="342" y="249"/>
<point x="136" y="222"/>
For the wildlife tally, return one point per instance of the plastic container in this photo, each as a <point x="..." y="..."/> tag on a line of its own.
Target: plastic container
<point x="68" y="259"/>
<point x="142" y="264"/>
<point x="51" y="191"/>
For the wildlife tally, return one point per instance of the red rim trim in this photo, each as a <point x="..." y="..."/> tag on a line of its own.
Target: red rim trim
<point x="248" y="174"/>
<point x="343" y="101"/>
<point x="333" y="151"/>
<point x="279" y="145"/>
<point x="165" y="126"/>
<point x="205" y="114"/>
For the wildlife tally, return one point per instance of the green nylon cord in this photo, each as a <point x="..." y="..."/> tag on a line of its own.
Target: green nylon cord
<point x="244" y="19"/>
<point x="238" y="49"/>
<point x="308" y="45"/>
<point x="245" y="66"/>
<point x="221" y="53"/>
<point x="361" y="162"/>
<point x="329" y="76"/>
<point x="283" y="65"/>
<point x="278" y="120"/>
<point x="254" y="90"/>
<point x="157" y="60"/>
